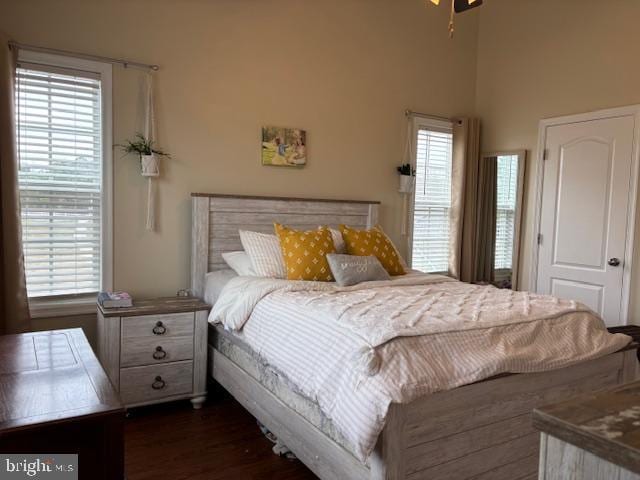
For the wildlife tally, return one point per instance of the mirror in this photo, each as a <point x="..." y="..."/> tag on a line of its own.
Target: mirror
<point x="500" y="194"/>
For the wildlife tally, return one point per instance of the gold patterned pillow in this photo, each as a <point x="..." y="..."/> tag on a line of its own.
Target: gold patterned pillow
<point x="305" y="253"/>
<point x="373" y="242"/>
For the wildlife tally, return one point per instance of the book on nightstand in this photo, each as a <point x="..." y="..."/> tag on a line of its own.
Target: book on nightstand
<point x="114" y="299"/>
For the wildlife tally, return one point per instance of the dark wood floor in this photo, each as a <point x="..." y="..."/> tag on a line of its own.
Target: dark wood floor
<point x="220" y="441"/>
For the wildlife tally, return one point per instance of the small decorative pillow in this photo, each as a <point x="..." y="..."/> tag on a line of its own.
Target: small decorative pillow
<point x="305" y="253"/>
<point x="240" y="263"/>
<point x="373" y="242"/>
<point x="353" y="269"/>
<point x="265" y="254"/>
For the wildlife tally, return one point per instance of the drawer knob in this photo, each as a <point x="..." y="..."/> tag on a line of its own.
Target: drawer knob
<point x="159" y="354"/>
<point x="158" y="384"/>
<point x="159" y="329"/>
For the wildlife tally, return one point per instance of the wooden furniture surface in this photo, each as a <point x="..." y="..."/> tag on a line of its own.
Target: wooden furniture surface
<point x="286" y="199"/>
<point x="56" y="398"/>
<point x="631" y="330"/>
<point x="156" y="350"/>
<point x="592" y="433"/>
<point x="161" y="306"/>
<point x="481" y="431"/>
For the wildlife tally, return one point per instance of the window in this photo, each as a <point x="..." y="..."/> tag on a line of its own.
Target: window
<point x="432" y="197"/>
<point x="507" y="186"/>
<point x="64" y="147"/>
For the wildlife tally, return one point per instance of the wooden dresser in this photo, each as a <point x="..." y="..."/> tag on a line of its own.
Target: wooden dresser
<point x="591" y="437"/>
<point x="156" y="351"/>
<point x="55" y="398"/>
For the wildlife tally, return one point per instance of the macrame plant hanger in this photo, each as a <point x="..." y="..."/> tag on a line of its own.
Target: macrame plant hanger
<point x="149" y="163"/>
<point x="407" y="184"/>
<point x="451" y="18"/>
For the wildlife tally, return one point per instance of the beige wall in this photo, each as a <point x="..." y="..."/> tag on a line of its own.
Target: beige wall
<point x="547" y="58"/>
<point x="344" y="70"/>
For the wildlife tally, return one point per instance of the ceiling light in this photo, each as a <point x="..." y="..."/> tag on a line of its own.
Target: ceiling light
<point x="458" y="6"/>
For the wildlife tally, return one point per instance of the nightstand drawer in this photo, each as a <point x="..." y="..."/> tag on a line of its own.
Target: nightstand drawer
<point x="146" y="384"/>
<point x="156" y="349"/>
<point x="158" y="326"/>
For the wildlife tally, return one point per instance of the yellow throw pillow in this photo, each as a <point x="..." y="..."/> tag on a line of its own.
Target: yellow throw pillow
<point x="373" y="242"/>
<point x="305" y="253"/>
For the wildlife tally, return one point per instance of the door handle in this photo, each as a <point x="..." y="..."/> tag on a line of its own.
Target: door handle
<point x="614" y="262"/>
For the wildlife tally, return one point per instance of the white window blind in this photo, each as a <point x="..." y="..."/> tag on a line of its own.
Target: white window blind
<point x="432" y="200"/>
<point x="507" y="179"/>
<point x="59" y="136"/>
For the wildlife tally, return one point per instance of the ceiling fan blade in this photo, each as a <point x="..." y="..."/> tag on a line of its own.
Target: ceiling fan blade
<point x="464" y="5"/>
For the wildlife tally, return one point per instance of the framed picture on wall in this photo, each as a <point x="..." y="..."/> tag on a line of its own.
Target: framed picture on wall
<point x="284" y="147"/>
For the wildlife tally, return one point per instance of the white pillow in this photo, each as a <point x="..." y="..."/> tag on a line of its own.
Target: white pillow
<point x="265" y="254"/>
<point x="214" y="283"/>
<point x="240" y="263"/>
<point x="338" y="241"/>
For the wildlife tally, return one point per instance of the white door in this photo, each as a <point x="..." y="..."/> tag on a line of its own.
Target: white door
<point x="585" y="209"/>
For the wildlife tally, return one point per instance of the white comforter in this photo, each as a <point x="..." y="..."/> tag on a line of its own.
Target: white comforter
<point x="357" y="349"/>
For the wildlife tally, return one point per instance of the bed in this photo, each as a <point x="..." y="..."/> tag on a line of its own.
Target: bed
<point x="481" y="430"/>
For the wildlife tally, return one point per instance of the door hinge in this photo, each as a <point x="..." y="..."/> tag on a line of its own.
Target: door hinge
<point x="539" y="239"/>
<point x="545" y="154"/>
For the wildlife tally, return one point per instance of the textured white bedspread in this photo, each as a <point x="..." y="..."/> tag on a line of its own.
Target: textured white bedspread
<point x="355" y="350"/>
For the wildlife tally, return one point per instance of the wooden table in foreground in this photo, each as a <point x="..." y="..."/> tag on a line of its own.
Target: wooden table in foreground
<point x="56" y="398"/>
<point x="592" y="437"/>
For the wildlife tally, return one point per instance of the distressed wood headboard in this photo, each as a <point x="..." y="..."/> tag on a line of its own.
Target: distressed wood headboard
<point x="216" y="220"/>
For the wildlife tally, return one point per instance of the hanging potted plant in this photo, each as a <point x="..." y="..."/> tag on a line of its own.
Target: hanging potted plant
<point x="407" y="178"/>
<point x="149" y="161"/>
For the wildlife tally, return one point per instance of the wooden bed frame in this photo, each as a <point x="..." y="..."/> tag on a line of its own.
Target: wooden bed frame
<point x="480" y="431"/>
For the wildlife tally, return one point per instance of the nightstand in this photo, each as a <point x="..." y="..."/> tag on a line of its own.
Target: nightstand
<point x="156" y="350"/>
